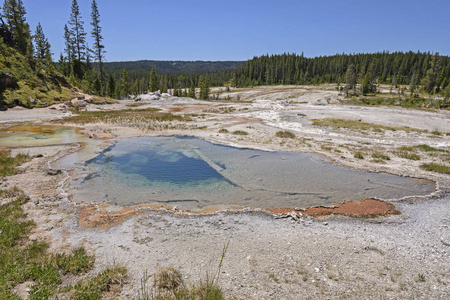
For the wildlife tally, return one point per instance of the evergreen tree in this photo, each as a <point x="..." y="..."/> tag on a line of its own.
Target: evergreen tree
<point x="99" y="52"/>
<point x="204" y="87"/>
<point x="42" y="46"/>
<point x="125" y="85"/>
<point x="430" y="80"/>
<point x="111" y="87"/>
<point x="351" y="77"/>
<point x="192" y="90"/>
<point x="77" y="32"/>
<point x="153" y="86"/>
<point x="14" y="14"/>
<point x="69" y="48"/>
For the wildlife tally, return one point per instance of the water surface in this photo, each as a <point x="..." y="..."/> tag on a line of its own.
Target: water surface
<point x="192" y="173"/>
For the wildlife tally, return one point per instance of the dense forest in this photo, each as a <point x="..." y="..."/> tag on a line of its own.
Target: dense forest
<point x="431" y="71"/>
<point x="171" y="67"/>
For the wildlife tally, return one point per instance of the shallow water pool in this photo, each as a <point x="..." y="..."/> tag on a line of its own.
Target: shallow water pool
<point x="191" y="173"/>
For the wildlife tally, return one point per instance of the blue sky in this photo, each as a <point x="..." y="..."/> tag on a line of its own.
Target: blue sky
<point x="239" y="30"/>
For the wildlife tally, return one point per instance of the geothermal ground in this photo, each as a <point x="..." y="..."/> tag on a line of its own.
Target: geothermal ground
<point x="365" y="249"/>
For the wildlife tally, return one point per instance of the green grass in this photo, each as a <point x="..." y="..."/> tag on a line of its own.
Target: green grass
<point x="407" y="155"/>
<point x="358" y="155"/>
<point x="393" y="100"/>
<point x="356" y="125"/>
<point x="36" y="82"/>
<point x="109" y="280"/>
<point x="240" y="132"/>
<point x="285" y="134"/>
<point x="410" y="152"/>
<point x="23" y="260"/>
<point x="168" y="285"/>
<point x="127" y="117"/>
<point x="8" y="164"/>
<point x="102" y="100"/>
<point x="439" y="168"/>
<point x="380" y="156"/>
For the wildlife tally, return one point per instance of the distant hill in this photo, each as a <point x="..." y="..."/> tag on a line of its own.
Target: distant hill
<point x="170" y="67"/>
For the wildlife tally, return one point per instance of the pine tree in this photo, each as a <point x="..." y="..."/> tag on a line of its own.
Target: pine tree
<point x="77" y="32"/>
<point x="69" y="48"/>
<point x="204" y="87"/>
<point x="125" y="85"/>
<point x="42" y="46"/>
<point x="99" y="52"/>
<point x="192" y="90"/>
<point x="111" y="87"/>
<point x="430" y="80"/>
<point x="153" y="86"/>
<point x="14" y="14"/>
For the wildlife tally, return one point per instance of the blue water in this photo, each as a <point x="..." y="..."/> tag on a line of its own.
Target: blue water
<point x="192" y="173"/>
<point x="155" y="166"/>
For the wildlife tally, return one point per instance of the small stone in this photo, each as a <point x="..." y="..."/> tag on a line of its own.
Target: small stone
<point x="53" y="172"/>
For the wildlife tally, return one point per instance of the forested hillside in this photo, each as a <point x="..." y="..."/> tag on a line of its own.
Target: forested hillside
<point x="28" y="76"/>
<point x="170" y="67"/>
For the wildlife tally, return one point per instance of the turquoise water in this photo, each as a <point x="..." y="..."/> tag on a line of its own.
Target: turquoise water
<point x="192" y="174"/>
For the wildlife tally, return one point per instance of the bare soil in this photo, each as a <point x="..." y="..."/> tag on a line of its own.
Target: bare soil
<point x="330" y="256"/>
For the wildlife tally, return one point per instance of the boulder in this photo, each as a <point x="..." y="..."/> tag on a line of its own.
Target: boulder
<point x="7" y="80"/>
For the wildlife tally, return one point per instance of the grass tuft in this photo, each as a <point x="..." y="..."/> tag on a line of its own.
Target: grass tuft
<point x="358" y="155"/>
<point x="8" y="164"/>
<point x="285" y="134"/>
<point x="357" y="125"/>
<point x="439" y="168"/>
<point x="240" y="132"/>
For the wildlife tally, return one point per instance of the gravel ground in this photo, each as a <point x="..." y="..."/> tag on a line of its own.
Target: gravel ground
<point x="397" y="257"/>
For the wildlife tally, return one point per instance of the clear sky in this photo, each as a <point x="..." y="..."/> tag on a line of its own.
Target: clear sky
<point x="239" y="30"/>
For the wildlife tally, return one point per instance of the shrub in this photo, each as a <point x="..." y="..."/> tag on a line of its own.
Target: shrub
<point x="285" y="134"/>
<point x="240" y="132"/>
<point x="359" y="155"/>
<point x="381" y="156"/>
<point x="444" y="169"/>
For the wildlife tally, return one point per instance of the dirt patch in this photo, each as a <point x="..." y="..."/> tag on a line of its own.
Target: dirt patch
<point x="103" y="217"/>
<point x="366" y="208"/>
<point x="187" y="108"/>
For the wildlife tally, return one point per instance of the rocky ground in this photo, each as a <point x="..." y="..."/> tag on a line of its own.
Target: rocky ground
<point x="402" y="256"/>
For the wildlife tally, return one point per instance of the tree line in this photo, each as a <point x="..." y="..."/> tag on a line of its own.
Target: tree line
<point x="429" y="71"/>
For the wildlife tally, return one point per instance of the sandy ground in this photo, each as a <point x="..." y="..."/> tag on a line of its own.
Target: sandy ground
<point x="334" y="257"/>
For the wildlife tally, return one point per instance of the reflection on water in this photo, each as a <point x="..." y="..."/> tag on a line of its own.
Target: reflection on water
<point x="18" y="136"/>
<point x="192" y="173"/>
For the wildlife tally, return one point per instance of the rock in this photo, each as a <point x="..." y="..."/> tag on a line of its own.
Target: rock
<point x="53" y="172"/>
<point x="38" y="155"/>
<point x="334" y="101"/>
<point x="81" y="97"/>
<point x="81" y="103"/>
<point x="23" y="290"/>
<point x="165" y="95"/>
<point x="7" y="80"/>
<point x="445" y="243"/>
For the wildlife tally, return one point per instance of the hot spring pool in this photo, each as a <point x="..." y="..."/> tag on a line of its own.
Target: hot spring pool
<point x="191" y="173"/>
